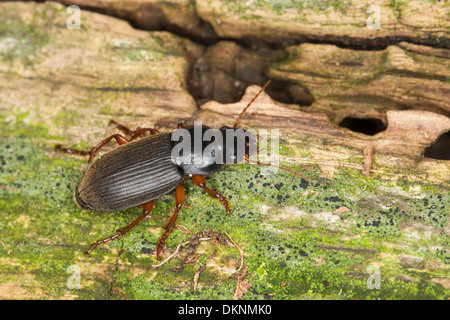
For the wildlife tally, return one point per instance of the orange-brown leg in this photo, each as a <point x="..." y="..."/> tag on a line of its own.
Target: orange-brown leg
<point x="133" y="133"/>
<point x="119" y="138"/>
<point x="147" y="208"/>
<point x="200" y="181"/>
<point x="179" y="199"/>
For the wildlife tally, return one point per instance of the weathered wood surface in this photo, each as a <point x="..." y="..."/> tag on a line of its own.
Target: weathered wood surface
<point x="287" y="238"/>
<point x="342" y="80"/>
<point x="401" y="145"/>
<point x="284" y="23"/>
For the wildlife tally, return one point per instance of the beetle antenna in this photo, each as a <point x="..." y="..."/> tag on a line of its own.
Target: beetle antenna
<point x="271" y="165"/>
<point x="249" y="104"/>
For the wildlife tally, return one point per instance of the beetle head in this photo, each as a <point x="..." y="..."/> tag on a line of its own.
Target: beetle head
<point x="237" y="144"/>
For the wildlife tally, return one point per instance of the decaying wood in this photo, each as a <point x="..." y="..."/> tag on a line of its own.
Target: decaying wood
<point x="242" y="285"/>
<point x="367" y="160"/>
<point x="407" y="134"/>
<point x="366" y="84"/>
<point x="83" y="78"/>
<point x="341" y="80"/>
<point x="59" y="85"/>
<point x="285" y="22"/>
<point x="197" y="276"/>
<point x="241" y="252"/>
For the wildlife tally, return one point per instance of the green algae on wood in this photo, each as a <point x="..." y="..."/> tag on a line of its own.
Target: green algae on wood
<point x="295" y="240"/>
<point x="301" y="240"/>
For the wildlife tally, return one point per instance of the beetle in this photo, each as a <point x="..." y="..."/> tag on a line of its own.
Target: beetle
<point x="140" y="171"/>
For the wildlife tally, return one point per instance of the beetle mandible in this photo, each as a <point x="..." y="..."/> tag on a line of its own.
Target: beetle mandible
<point x="139" y="171"/>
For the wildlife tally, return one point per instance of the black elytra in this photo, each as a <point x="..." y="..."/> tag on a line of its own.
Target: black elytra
<point x="145" y="169"/>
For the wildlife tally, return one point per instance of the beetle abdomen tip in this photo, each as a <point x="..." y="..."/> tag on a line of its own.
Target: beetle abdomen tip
<point x="80" y="203"/>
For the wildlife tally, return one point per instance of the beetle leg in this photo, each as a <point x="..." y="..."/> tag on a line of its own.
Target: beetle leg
<point x="179" y="199"/>
<point x="121" y="127"/>
<point x="200" y="181"/>
<point x="119" y="138"/>
<point x="147" y="208"/>
<point x="139" y="131"/>
<point x="133" y="133"/>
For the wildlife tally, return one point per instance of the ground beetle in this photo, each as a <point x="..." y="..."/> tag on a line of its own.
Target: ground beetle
<point x="139" y="171"/>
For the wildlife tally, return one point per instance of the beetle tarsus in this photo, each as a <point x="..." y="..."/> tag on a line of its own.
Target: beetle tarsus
<point x="133" y="133"/>
<point x="179" y="200"/>
<point x="200" y="182"/>
<point x="148" y="206"/>
<point x="119" y="138"/>
<point x="60" y="148"/>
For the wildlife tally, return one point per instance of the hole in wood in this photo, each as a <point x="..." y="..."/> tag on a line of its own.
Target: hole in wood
<point x="440" y="149"/>
<point x="289" y="93"/>
<point x="369" y="126"/>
